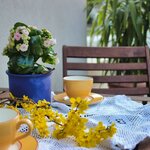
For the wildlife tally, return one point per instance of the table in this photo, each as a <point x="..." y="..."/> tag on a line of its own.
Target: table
<point x="132" y="120"/>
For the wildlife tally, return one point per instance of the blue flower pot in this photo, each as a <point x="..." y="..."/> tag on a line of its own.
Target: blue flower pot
<point x="35" y="86"/>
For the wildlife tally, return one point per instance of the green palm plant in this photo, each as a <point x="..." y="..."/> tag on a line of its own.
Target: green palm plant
<point x="119" y="22"/>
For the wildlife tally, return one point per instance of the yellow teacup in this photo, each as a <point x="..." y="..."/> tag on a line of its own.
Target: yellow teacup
<point x="9" y="125"/>
<point x="77" y="86"/>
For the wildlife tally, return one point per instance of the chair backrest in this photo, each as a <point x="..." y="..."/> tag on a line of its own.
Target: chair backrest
<point x="75" y="62"/>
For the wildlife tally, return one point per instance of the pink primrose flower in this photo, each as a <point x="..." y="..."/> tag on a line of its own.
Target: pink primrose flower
<point x="49" y="42"/>
<point x="17" y="36"/>
<point x="26" y="32"/>
<point x="23" y="47"/>
<point x="52" y="41"/>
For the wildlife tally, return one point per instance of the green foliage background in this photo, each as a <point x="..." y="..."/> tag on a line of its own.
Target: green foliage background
<point x="119" y="22"/>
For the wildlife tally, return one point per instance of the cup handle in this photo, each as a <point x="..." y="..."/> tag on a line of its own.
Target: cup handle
<point x="23" y="135"/>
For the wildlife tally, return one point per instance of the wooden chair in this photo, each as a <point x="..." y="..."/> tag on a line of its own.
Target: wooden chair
<point x="75" y="62"/>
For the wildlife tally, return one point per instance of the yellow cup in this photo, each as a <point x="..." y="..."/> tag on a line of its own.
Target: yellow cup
<point x="9" y="125"/>
<point x="77" y="86"/>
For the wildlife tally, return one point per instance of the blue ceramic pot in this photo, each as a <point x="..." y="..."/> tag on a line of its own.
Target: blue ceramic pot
<point x="35" y="86"/>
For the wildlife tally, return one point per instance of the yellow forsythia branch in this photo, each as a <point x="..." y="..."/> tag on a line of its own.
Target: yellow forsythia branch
<point x="72" y="125"/>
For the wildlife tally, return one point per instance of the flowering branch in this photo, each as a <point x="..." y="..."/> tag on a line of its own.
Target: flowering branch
<point x="72" y="125"/>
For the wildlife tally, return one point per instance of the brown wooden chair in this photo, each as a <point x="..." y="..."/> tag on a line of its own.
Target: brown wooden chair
<point x="75" y="62"/>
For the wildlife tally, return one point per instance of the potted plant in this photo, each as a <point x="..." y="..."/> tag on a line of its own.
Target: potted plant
<point x="26" y="48"/>
<point x="119" y="23"/>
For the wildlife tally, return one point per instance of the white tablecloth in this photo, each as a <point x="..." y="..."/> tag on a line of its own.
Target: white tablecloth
<point x="132" y="120"/>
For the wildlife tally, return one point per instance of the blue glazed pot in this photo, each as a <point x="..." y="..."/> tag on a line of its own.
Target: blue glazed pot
<point x="35" y="86"/>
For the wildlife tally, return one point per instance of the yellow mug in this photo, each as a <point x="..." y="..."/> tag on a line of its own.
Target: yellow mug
<point x="78" y="86"/>
<point x="9" y="125"/>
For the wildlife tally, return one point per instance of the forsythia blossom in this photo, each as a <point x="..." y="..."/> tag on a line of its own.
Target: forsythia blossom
<point x="71" y="125"/>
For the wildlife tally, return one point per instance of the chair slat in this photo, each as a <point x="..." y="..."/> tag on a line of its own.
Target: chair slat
<point x="104" y="52"/>
<point x="124" y="91"/>
<point x="120" y="79"/>
<point x="106" y="66"/>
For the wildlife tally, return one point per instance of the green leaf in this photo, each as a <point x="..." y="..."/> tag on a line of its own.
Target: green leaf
<point x="49" y="59"/>
<point x="48" y="51"/>
<point x="35" y="32"/>
<point x="114" y="7"/>
<point x="35" y="43"/>
<point x="27" y="70"/>
<point x="25" y="62"/>
<point x="39" y="69"/>
<point x="19" y="24"/>
<point x="19" y="68"/>
<point x="134" y="15"/>
<point x="37" y="51"/>
<point x="118" y="27"/>
<point x="35" y="40"/>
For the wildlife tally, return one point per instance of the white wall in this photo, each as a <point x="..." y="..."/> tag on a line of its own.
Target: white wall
<point x="66" y="19"/>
